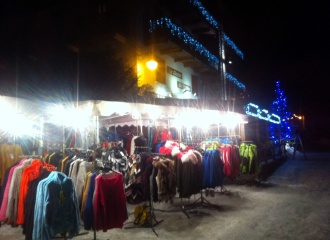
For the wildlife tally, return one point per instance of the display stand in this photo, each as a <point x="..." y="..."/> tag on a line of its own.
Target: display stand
<point x="198" y="203"/>
<point x="222" y="190"/>
<point x="65" y="236"/>
<point x="152" y="222"/>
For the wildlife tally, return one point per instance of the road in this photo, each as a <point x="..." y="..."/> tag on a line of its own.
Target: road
<point x="294" y="203"/>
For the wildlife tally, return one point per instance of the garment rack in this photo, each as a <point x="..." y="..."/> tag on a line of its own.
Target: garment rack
<point x="151" y="212"/>
<point x="65" y="236"/>
<point x="182" y="206"/>
<point x="29" y="156"/>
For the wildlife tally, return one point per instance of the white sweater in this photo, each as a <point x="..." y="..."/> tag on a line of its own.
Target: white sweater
<point x="84" y="168"/>
<point x="14" y="189"/>
<point x="133" y="145"/>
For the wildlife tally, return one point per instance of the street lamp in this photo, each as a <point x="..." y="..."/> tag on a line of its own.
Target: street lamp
<point x="152" y="65"/>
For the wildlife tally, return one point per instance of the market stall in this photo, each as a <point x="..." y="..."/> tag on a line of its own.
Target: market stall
<point x="191" y="149"/>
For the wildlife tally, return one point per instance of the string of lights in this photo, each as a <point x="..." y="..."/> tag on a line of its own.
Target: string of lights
<point x="179" y="32"/>
<point x="262" y="114"/>
<point x="279" y="107"/>
<point x="234" y="80"/>
<point x="215" y="24"/>
<point x="294" y="116"/>
<point x="233" y="46"/>
<point x="205" y="13"/>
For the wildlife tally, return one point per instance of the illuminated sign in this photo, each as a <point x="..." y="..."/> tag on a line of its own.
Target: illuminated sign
<point x="174" y="72"/>
<point x="254" y="111"/>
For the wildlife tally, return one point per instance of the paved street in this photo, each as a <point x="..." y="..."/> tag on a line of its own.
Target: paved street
<point x="294" y="203"/>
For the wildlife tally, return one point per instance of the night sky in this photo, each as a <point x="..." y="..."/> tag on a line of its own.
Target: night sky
<point x="285" y="41"/>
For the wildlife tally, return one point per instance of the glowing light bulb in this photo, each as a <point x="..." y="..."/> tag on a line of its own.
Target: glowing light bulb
<point x="152" y="65"/>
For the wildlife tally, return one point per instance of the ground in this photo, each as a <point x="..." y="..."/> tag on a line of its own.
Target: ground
<point x="294" y="203"/>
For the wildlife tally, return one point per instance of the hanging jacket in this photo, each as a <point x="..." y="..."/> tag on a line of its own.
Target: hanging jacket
<point x="56" y="208"/>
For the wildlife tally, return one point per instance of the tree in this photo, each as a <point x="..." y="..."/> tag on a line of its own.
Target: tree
<point x="279" y="108"/>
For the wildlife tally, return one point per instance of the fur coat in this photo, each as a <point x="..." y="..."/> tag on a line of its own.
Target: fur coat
<point x="166" y="180"/>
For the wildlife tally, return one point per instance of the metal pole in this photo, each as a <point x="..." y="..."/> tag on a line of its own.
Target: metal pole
<point x="63" y="140"/>
<point x="97" y="129"/>
<point x="41" y="122"/>
<point x="77" y="103"/>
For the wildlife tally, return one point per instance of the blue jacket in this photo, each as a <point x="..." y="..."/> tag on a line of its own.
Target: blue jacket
<point x="56" y="209"/>
<point x="88" y="214"/>
<point x="212" y="169"/>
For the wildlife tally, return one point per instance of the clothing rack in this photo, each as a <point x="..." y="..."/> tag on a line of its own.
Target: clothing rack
<point x="151" y="212"/>
<point x="104" y="168"/>
<point x="182" y="206"/>
<point x="159" y="154"/>
<point x="199" y="202"/>
<point x="29" y="156"/>
<point x="65" y="237"/>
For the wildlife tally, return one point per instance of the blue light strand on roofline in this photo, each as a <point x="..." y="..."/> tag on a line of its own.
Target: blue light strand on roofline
<point x="205" y="13"/>
<point x="215" y="24"/>
<point x="234" y="80"/>
<point x="260" y="113"/>
<point x="233" y="46"/>
<point x="178" y="31"/>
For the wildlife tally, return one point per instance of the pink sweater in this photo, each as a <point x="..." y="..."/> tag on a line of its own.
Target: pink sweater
<point x="5" y="196"/>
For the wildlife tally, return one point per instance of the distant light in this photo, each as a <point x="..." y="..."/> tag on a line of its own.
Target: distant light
<point x="194" y="94"/>
<point x="299" y="117"/>
<point x="230" y="62"/>
<point x="152" y="65"/>
<point x="136" y="114"/>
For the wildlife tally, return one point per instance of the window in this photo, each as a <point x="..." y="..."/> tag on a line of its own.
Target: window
<point x="160" y="71"/>
<point x="194" y="83"/>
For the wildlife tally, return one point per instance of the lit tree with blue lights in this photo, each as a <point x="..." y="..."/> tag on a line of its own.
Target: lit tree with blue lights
<point x="279" y="107"/>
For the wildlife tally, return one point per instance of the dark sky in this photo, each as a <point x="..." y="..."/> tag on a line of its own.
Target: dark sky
<point x="285" y="41"/>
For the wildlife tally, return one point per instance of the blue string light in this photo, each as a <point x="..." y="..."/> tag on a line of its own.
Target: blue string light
<point x="234" y="80"/>
<point x="178" y="31"/>
<point x="260" y="114"/>
<point x="279" y="107"/>
<point x="233" y="46"/>
<point x="215" y="24"/>
<point x="205" y="13"/>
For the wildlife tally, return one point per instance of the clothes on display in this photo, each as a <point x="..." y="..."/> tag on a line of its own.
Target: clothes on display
<point x="133" y="180"/>
<point x="29" y="206"/>
<point x="189" y="175"/>
<point x="140" y="143"/>
<point x="12" y="207"/>
<point x="162" y="135"/>
<point x="30" y="173"/>
<point x="110" y="202"/>
<point x="8" y="175"/>
<point x="9" y="154"/>
<point x="16" y="201"/>
<point x="166" y="180"/>
<point x="116" y="157"/>
<point x="212" y="169"/>
<point x="56" y="208"/>
<point x="230" y="159"/>
<point x="249" y="156"/>
<point x="171" y="148"/>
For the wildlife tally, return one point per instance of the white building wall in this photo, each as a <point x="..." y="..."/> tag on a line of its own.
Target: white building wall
<point x="172" y="81"/>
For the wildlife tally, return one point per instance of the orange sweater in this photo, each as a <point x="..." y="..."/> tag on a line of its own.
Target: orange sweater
<point x="30" y="173"/>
